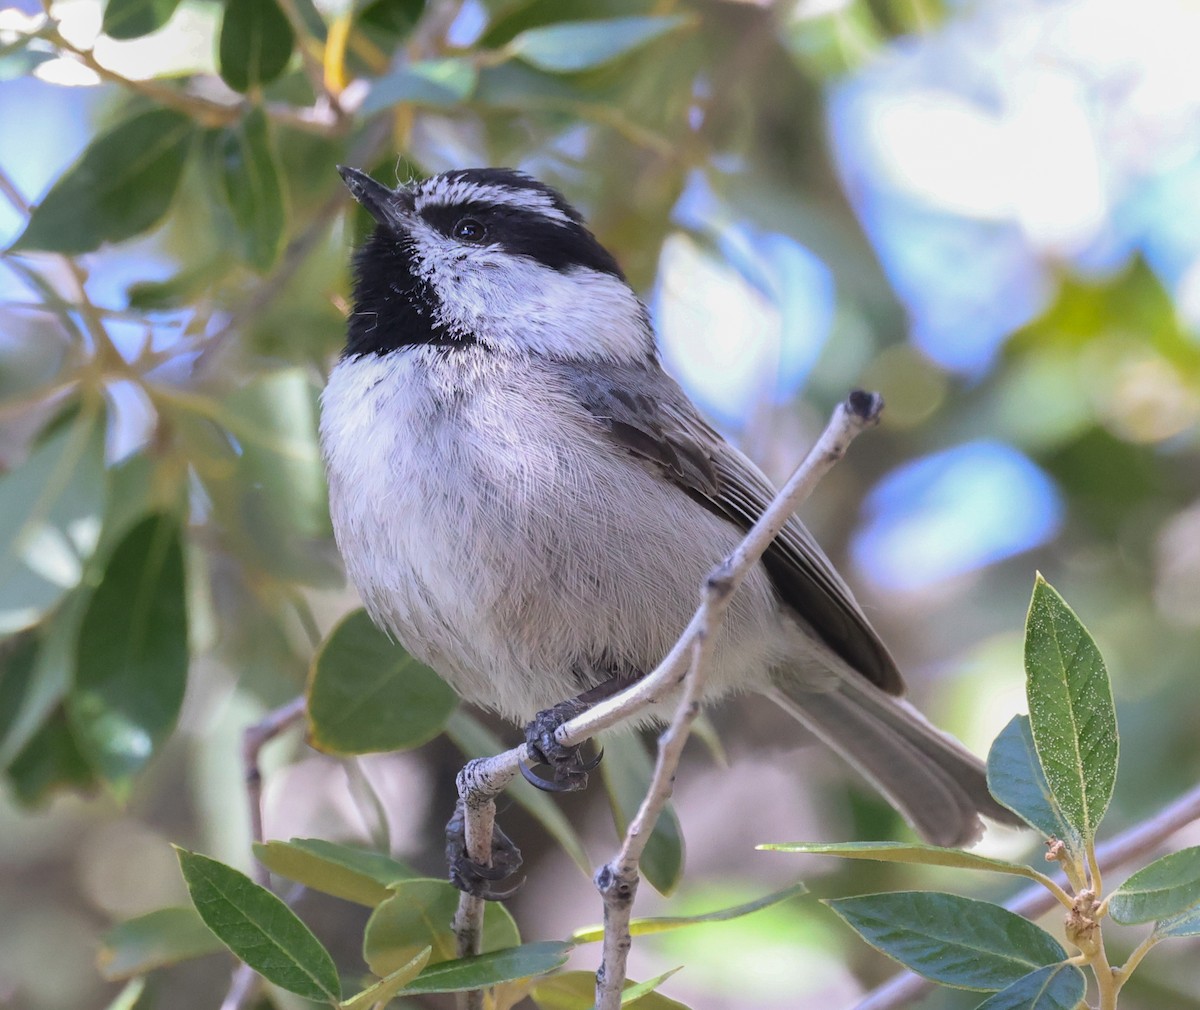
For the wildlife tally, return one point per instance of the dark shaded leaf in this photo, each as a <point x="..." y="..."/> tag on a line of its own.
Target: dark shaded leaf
<point x="132" y="654"/>
<point x="1071" y="710"/>
<point x="1054" y="987"/>
<point x="627" y="768"/>
<point x="130" y="19"/>
<point x="253" y="187"/>
<point x="50" y="761"/>
<point x="259" y="928"/>
<point x="367" y="694"/>
<point x="255" y="45"/>
<point x="120" y="187"/>
<point x="341" y="870"/>
<point x="1167" y="887"/>
<point x="956" y="941"/>
<point x="164" y="936"/>
<point x="487" y="969"/>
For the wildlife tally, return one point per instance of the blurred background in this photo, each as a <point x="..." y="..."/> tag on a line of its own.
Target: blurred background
<point x="989" y="211"/>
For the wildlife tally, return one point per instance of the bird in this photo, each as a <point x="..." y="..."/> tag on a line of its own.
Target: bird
<point x="529" y="503"/>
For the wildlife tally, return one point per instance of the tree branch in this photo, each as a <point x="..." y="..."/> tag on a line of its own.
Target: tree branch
<point x="483" y="779"/>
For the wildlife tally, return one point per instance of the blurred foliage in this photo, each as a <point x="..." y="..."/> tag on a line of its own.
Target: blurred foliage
<point x="177" y="294"/>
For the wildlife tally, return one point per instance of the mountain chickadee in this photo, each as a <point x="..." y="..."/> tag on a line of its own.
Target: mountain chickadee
<point x="530" y="504"/>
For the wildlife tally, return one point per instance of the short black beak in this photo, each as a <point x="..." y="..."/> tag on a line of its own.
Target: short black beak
<point x="381" y="203"/>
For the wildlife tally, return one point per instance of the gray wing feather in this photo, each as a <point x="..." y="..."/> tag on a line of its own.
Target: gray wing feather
<point x="646" y="413"/>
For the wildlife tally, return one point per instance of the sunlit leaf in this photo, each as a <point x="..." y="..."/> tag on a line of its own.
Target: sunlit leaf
<point x="255" y="45"/>
<point x="576" y="990"/>
<point x="130" y="19"/>
<point x="129" y="996"/>
<point x="446" y="82"/>
<point x="367" y="694"/>
<point x="253" y="187"/>
<point x="662" y="924"/>
<point x="164" y="936"/>
<point x="1071" y="710"/>
<point x="571" y="46"/>
<point x="1054" y="987"/>
<point x="132" y="653"/>
<point x="259" y="928"/>
<point x="627" y="769"/>
<point x="120" y="187"/>
<point x="341" y="870"/>
<point x="383" y="990"/>
<point x="50" y="509"/>
<point x="906" y="852"/>
<point x="1167" y="887"/>
<point x="949" y="939"/>
<point x="488" y="969"/>
<point x="419" y="915"/>
<point x="474" y="739"/>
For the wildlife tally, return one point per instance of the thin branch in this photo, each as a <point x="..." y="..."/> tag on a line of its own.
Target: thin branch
<point x="483" y="779"/>
<point x="253" y="740"/>
<point x="1033" y="902"/>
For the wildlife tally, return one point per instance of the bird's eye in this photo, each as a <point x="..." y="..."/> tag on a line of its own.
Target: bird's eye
<point x="467" y="229"/>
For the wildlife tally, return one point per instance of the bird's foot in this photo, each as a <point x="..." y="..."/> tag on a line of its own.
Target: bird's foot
<point x="568" y="766"/>
<point x="475" y="878"/>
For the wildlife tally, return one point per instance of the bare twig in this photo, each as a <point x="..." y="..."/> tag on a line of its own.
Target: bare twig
<point x="1035" y="901"/>
<point x="482" y="779"/>
<point x="253" y="740"/>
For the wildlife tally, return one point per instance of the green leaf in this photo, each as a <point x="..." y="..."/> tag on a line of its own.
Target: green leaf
<point x="395" y="19"/>
<point x="906" y="852"/>
<point x="259" y="928"/>
<point x="474" y="739"/>
<point x="131" y="19"/>
<point x="383" y="990"/>
<point x="1016" y="779"/>
<point x="367" y="694"/>
<point x="132" y="654"/>
<point x="488" y="969"/>
<point x="164" y="936"/>
<point x="627" y="768"/>
<point x="341" y="870"/>
<point x="129" y="996"/>
<point x="572" y="46"/>
<point x="256" y="43"/>
<point x="436" y="83"/>
<point x="418" y="915"/>
<point x="1071" y="710"/>
<point x="1054" y="987"/>
<point x="1165" y="888"/>
<point x="576" y="990"/>
<point x="253" y="187"/>
<point x="1184" y="924"/>
<point x="50" y="509"/>
<point x="956" y="941"/>
<point x="120" y="187"/>
<point x="662" y="924"/>
<point x="50" y="761"/>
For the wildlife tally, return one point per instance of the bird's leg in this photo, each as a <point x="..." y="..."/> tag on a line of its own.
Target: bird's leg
<point x="475" y="878"/>
<point x="570" y="769"/>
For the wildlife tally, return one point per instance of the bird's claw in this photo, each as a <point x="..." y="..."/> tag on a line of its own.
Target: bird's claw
<point x="568" y="765"/>
<point x="476" y="878"/>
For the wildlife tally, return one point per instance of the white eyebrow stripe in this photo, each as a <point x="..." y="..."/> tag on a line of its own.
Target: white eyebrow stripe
<point x="444" y="194"/>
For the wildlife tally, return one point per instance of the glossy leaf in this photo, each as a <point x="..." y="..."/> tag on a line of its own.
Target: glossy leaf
<point x="383" y="990"/>
<point x="906" y="852"/>
<point x="1071" y="710"/>
<point x="50" y="509"/>
<point x="255" y="45"/>
<point x="366" y="694"/>
<point x="418" y="915"/>
<point x="341" y="870"/>
<point x="474" y="739"/>
<point x="259" y="928"/>
<point x="571" y="46"/>
<point x="131" y="19"/>
<point x="663" y="924"/>
<point x="120" y="187"/>
<point x="576" y="990"/>
<point x="627" y="768"/>
<point x="164" y="936"/>
<point x="132" y="654"/>
<point x="1054" y="987"/>
<point x="1016" y="779"/>
<point x="949" y="939"/>
<point x="435" y="83"/>
<point x="487" y="969"/>
<point x="253" y="187"/>
<point x="1167" y="887"/>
